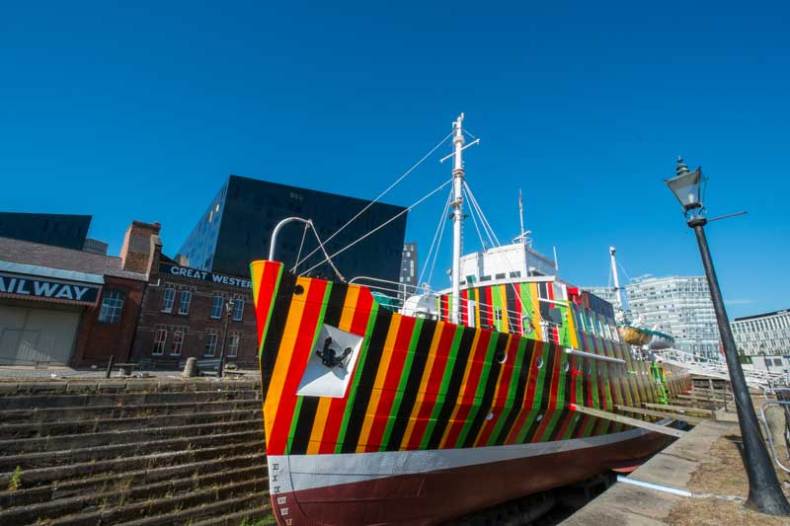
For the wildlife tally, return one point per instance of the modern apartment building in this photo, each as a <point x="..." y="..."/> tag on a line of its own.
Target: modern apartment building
<point x="408" y="269"/>
<point x="677" y="305"/>
<point x="767" y="333"/>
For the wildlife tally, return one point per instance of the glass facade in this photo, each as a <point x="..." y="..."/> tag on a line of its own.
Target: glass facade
<point x="238" y="225"/>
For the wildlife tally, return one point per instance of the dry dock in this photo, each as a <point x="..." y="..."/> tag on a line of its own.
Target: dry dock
<point x="699" y="479"/>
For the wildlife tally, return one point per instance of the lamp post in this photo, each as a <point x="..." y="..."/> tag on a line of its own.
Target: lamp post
<point x="765" y="494"/>
<point x="228" y="313"/>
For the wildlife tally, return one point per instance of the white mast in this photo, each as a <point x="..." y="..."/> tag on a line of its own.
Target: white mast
<point x="458" y="216"/>
<point x="618" y="292"/>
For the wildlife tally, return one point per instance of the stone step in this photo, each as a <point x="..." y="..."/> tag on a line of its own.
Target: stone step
<point x="125" y="493"/>
<point x="126" y="436"/>
<point x="176" y="509"/>
<point x="121" y="449"/>
<point x="247" y="506"/>
<point x="258" y="516"/>
<point x="65" y="488"/>
<point x="123" y="399"/>
<point x="93" y="412"/>
<point x="18" y="431"/>
<point x="85" y="471"/>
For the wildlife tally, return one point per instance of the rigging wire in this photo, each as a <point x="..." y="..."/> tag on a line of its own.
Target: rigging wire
<point x="442" y="219"/>
<point x="474" y="220"/>
<point x="385" y="223"/>
<point x="301" y="245"/>
<point x="382" y="194"/>
<point x="441" y="236"/>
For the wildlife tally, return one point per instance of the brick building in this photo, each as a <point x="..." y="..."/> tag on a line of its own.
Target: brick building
<point x="68" y="306"/>
<point x="185" y="311"/>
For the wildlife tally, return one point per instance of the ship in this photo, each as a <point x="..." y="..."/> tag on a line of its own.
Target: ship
<point x="423" y="411"/>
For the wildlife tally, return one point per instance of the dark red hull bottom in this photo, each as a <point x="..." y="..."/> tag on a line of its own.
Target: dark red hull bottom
<point x="438" y="496"/>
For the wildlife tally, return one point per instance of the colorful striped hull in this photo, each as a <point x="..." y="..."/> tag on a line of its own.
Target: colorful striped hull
<point x="420" y="401"/>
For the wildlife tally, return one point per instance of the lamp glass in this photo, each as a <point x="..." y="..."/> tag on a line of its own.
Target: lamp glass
<point x="686" y="188"/>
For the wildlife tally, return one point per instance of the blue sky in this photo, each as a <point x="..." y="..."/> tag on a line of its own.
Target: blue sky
<point x="141" y="112"/>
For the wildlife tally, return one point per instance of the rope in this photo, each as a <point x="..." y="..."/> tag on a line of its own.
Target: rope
<point x="390" y="187"/>
<point x="385" y="223"/>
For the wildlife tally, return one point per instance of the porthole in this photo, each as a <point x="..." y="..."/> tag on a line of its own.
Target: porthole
<point x="298" y="290"/>
<point x="501" y="357"/>
<point x="539" y="418"/>
<point x="567" y="366"/>
<point x="539" y="363"/>
<point x="490" y="416"/>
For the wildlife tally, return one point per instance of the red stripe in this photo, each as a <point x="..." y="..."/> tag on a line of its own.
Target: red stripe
<point x="275" y="444"/>
<point x="391" y="381"/>
<point x="337" y="406"/>
<point x="519" y="308"/>
<point x="489" y="308"/>
<point x="504" y="387"/>
<point x="529" y="392"/>
<point x="464" y="307"/>
<point x="271" y="269"/>
<point x="467" y="398"/>
<point x="555" y="385"/>
<point x="432" y="386"/>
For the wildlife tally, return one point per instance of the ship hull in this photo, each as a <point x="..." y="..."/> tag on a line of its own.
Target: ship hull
<point x="434" y="486"/>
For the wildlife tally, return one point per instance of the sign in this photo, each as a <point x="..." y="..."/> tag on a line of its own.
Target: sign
<point x="62" y="291"/>
<point x="204" y="275"/>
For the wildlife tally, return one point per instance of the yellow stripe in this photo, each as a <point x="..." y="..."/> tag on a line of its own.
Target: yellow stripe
<point x="469" y="364"/>
<point x="257" y="273"/>
<point x="322" y="412"/>
<point x="426" y="374"/>
<point x="534" y="297"/>
<point x="284" y="353"/>
<point x="381" y="374"/>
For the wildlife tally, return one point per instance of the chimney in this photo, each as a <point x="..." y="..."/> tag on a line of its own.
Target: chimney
<point x="139" y="247"/>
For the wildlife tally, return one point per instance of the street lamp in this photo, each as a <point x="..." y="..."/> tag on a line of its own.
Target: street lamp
<point x="765" y="494"/>
<point x="228" y="313"/>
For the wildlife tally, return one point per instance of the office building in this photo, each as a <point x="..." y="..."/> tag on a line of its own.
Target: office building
<point x="59" y="230"/>
<point x="676" y="305"/>
<point x="237" y="227"/>
<point x="408" y="269"/>
<point x="763" y="334"/>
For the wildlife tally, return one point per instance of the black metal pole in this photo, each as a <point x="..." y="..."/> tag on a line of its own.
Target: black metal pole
<point x="765" y="493"/>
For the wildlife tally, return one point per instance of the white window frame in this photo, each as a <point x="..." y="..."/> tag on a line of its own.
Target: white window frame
<point x="238" y="309"/>
<point x="160" y="341"/>
<point x="183" y="306"/>
<point x="168" y="299"/>
<point x="212" y="338"/>
<point x="217" y="301"/>
<point x="234" y="339"/>
<point x="177" y="344"/>
<point x="111" y="306"/>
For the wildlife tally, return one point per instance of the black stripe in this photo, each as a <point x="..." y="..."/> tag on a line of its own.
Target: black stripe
<point x="544" y="402"/>
<point x="274" y="335"/>
<point x="412" y="384"/>
<point x="568" y="381"/>
<point x="488" y="392"/>
<point x="521" y="386"/>
<point x="451" y="397"/>
<point x="512" y="309"/>
<point x="304" y="425"/>
<point x="366" y="380"/>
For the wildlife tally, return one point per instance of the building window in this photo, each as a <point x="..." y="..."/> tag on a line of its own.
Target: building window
<point x="216" y="307"/>
<point x="111" y="306"/>
<point x="184" y="301"/>
<point x="238" y="309"/>
<point x="211" y="342"/>
<point x="168" y="299"/>
<point x="178" y="342"/>
<point x="160" y="341"/>
<point x="233" y="344"/>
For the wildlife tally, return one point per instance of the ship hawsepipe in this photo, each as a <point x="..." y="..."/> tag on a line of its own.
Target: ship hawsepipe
<point x="375" y="417"/>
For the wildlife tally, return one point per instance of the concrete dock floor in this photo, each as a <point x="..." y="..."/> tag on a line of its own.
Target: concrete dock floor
<point x="706" y="463"/>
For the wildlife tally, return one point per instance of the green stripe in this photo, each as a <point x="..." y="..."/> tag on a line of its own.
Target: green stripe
<point x="441" y="395"/>
<point x="271" y="309"/>
<point x="538" y="396"/>
<point x="404" y="378"/>
<point x="363" y="353"/>
<point x="294" y="420"/>
<point x="480" y="390"/>
<point x="510" y="401"/>
<point x="559" y="403"/>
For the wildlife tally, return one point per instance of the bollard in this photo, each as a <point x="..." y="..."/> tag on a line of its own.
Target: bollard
<point x="190" y="368"/>
<point x="109" y="366"/>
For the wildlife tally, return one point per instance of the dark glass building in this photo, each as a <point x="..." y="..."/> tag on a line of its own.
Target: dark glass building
<point x="60" y="230"/>
<point x="237" y="227"/>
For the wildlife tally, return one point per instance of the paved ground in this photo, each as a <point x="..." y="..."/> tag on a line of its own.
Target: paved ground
<point x="705" y="463"/>
<point x="21" y="372"/>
